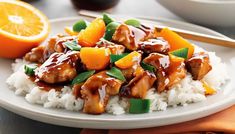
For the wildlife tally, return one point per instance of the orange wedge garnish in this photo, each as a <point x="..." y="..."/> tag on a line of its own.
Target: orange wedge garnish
<point x="69" y="31"/>
<point x="22" y="27"/>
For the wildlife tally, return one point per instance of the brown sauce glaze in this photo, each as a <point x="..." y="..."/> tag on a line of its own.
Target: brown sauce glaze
<point x="45" y="86"/>
<point x="58" y="68"/>
<point x="146" y="29"/>
<point x="48" y="87"/>
<point x="138" y="86"/>
<point x="158" y="45"/>
<point x="159" y="61"/>
<point x="128" y="36"/>
<point x="114" y="48"/>
<point x="168" y="69"/>
<point x="55" y="44"/>
<point x="96" y="91"/>
<point x="137" y="33"/>
<point x="199" y="65"/>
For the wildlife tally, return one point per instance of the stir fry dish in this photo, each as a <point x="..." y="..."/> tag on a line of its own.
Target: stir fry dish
<point x="107" y="66"/>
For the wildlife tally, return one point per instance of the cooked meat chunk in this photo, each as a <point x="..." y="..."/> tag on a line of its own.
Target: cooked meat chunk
<point x="35" y="55"/>
<point x="170" y="70"/>
<point x="55" y="44"/>
<point x="131" y="72"/>
<point x="176" y="71"/>
<point x="128" y="73"/>
<point x="199" y="65"/>
<point x="77" y="89"/>
<point x="128" y="36"/>
<point x="158" y="45"/>
<point x="114" y="48"/>
<point x="161" y="63"/>
<point x="97" y="90"/>
<point x="58" y="68"/>
<point x="148" y="31"/>
<point x="43" y="52"/>
<point x="134" y="70"/>
<point x="156" y="32"/>
<point x="139" y="85"/>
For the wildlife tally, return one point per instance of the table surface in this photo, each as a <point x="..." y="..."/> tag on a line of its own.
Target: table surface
<point x="11" y="123"/>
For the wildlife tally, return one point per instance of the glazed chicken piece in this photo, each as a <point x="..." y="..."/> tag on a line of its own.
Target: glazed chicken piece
<point x="131" y="72"/>
<point x="43" y="52"/>
<point x="158" y="45"/>
<point x="97" y="90"/>
<point x="58" y="68"/>
<point x="114" y="48"/>
<point x="148" y="31"/>
<point x="128" y="36"/>
<point x="139" y="85"/>
<point x="170" y="69"/>
<point x="176" y="71"/>
<point x="199" y="65"/>
<point x="161" y="63"/>
<point x="55" y="44"/>
<point x="77" y="90"/>
<point x="128" y="73"/>
<point x="36" y="54"/>
<point x="134" y="70"/>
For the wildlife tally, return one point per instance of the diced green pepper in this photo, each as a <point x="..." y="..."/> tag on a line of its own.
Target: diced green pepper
<point x="30" y="69"/>
<point x="82" y="77"/>
<point x="133" y="22"/>
<point x="107" y="19"/>
<point x="72" y="45"/>
<point x="148" y="67"/>
<point x="183" y="52"/>
<point x="115" y="57"/>
<point x="138" y="106"/>
<point x="116" y="73"/>
<point x="110" y="29"/>
<point x="79" y="25"/>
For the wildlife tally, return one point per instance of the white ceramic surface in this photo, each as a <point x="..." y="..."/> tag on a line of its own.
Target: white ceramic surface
<point x="213" y="104"/>
<point x="207" y="12"/>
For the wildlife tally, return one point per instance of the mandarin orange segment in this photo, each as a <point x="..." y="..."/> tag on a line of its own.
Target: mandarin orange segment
<point x="92" y="34"/>
<point x="176" y="41"/>
<point x="95" y="58"/>
<point x="129" y="60"/>
<point x="70" y="31"/>
<point x="22" y="27"/>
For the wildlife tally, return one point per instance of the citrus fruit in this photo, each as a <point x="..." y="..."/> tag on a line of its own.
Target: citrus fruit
<point x="22" y="27"/>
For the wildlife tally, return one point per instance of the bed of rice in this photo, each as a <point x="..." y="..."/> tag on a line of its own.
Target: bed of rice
<point x="185" y="92"/>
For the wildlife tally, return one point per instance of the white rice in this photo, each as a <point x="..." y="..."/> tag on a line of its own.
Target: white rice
<point x="117" y="106"/>
<point x="186" y="92"/>
<point x="218" y="75"/>
<point x="52" y="99"/>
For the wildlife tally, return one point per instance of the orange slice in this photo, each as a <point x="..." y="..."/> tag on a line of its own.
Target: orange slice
<point x="129" y="60"/>
<point x="69" y="31"/>
<point x="22" y="27"/>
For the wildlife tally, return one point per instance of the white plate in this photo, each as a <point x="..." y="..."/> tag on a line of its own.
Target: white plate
<point x="207" y="12"/>
<point x="213" y="104"/>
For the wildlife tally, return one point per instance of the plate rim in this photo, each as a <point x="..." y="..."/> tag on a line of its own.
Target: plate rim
<point x="24" y="110"/>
